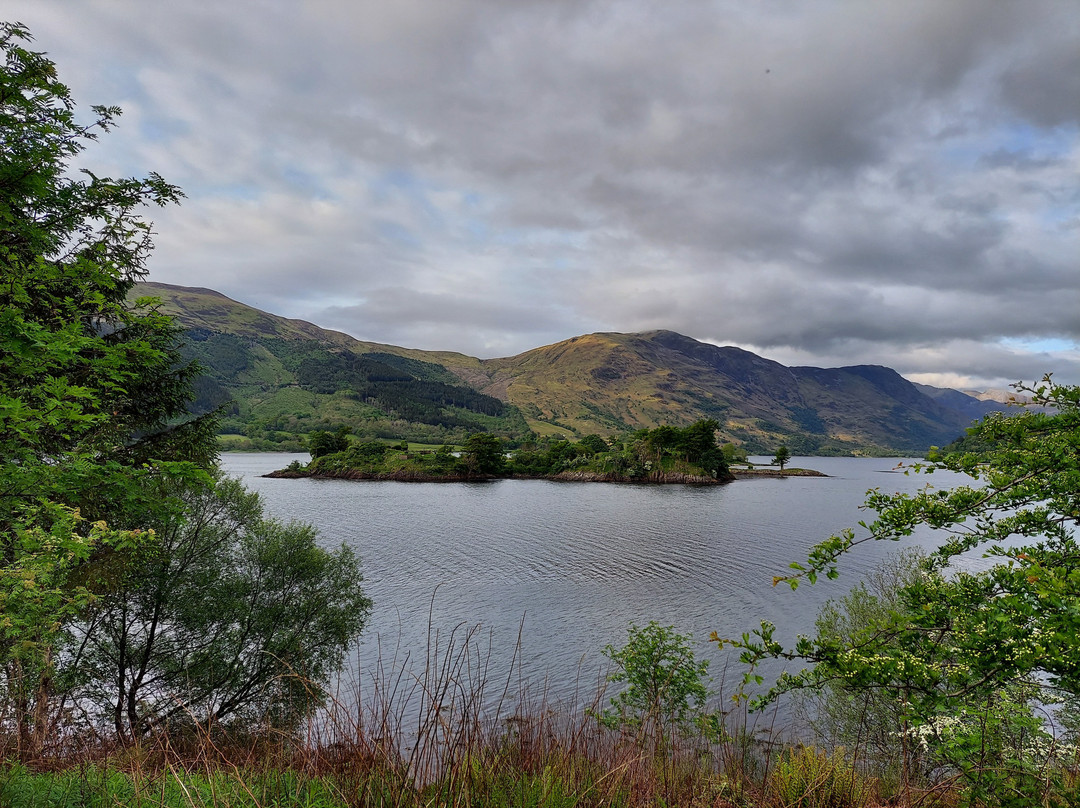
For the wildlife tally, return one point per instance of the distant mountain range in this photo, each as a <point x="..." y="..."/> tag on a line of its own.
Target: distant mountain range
<point x="286" y="377"/>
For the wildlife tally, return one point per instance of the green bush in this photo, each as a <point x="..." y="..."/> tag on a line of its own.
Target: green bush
<point x="968" y="657"/>
<point x="231" y="615"/>
<point x="665" y="684"/>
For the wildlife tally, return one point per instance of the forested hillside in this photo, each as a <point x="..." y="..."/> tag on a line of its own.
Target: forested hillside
<point x="278" y="380"/>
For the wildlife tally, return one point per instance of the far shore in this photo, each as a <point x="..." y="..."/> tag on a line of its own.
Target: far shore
<point x="566" y="476"/>
<point x="411" y="476"/>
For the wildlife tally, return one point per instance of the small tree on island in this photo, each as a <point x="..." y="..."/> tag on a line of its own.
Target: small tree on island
<point x="482" y="453"/>
<point x="321" y="442"/>
<point x="783" y="455"/>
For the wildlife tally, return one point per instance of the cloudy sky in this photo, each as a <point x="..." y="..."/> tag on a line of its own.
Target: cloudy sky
<point x="825" y="182"/>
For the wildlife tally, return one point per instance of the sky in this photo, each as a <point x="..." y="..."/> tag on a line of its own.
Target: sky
<point x="826" y="182"/>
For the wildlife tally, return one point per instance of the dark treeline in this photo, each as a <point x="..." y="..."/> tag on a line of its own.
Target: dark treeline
<point x="399" y="385"/>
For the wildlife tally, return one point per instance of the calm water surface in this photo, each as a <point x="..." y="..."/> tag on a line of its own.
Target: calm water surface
<point x="573" y="564"/>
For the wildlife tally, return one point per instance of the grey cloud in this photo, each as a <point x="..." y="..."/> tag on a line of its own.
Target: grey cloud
<point x="1020" y="160"/>
<point x="483" y="327"/>
<point x="386" y="307"/>
<point x="855" y="181"/>
<point x="1045" y="84"/>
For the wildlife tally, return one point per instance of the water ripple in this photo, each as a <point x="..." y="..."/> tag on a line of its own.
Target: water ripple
<point x="579" y="562"/>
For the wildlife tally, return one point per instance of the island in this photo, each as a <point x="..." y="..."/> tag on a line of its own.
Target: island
<point x="665" y="454"/>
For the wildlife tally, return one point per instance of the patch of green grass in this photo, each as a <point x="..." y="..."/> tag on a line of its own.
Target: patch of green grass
<point x="233" y="443"/>
<point x="286" y="400"/>
<point x="107" y="787"/>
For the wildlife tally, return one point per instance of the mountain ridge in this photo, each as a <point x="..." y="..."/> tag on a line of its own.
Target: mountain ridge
<point x="603" y="383"/>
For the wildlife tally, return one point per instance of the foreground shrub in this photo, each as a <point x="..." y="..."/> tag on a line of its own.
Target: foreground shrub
<point x="665" y="684"/>
<point x="235" y="616"/>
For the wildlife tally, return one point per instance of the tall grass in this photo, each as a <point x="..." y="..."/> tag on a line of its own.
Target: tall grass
<point x="453" y="733"/>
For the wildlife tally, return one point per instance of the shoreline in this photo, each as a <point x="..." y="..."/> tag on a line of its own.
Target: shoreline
<point x="563" y="476"/>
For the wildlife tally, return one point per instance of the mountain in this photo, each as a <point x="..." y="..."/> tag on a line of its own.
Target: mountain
<point x="288" y="377"/>
<point x="611" y="382"/>
<point x="281" y="378"/>
<point x="973" y="403"/>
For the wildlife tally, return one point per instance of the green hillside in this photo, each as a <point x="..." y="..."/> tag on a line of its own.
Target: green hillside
<point x="281" y="379"/>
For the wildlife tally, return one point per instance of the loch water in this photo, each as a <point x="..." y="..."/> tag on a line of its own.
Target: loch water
<point x="544" y="574"/>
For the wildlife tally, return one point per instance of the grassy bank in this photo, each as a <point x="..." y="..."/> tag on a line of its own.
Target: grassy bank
<point x="545" y="758"/>
<point x="455" y="734"/>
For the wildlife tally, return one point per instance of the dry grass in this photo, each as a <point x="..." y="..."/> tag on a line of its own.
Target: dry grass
<point x="452" y="734"/>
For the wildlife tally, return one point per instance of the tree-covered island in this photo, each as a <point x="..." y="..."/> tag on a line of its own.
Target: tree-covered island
<point x="666" y="454"/>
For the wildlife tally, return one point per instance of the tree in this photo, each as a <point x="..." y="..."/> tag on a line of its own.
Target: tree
<point x="994" y="639"/>
<point x="699" y="447"/>
<point x="92" y="388"/>
<point x="321" y="442"/>
<point x="698" y="439"/>
<point x="233" y="615"/>
<point x="783" y="455"/>
<point x="483" y="454"/>
<point x="665" y="683"/>
<point x="694" y="444"/>
<point x="658" y="441"/>
<point x="594" y="443"/>
<point x="134" y="585"/>
<point x="871" y="720"/>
